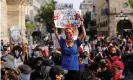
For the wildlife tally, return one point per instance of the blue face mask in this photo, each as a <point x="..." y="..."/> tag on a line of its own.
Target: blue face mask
<point x="35" y="54"/>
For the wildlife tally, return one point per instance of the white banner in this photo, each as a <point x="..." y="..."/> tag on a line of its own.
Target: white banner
<point x="63" y="6"/>
<point x="66" y="18"/>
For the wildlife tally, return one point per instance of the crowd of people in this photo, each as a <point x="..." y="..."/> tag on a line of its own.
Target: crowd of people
<point x="97" y="59"/>
<point x="103" y="58"/>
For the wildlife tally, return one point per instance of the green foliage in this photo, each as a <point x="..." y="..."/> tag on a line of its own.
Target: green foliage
<point x="131" y="3"/>
<point x="45" y="15"/>
<point x="30" y="27"/>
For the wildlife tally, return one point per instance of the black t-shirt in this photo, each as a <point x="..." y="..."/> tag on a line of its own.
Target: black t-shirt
<point x="106" y="75"/>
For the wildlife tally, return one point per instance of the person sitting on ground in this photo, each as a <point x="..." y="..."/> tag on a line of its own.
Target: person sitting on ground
<point x="105" y="73"/>
<point x="40" y="72"/>
<point x="56" y="73"/>
<point x="82" y="65"/>
<point x="25" y="71"/>
<point x="17" y="53"/>
<point x="9" y="72"/>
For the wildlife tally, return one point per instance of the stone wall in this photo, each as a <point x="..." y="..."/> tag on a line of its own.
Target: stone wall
<point x="116" y="7"/>
<point x="12" y="12"/>
<point x="3" y="21"/>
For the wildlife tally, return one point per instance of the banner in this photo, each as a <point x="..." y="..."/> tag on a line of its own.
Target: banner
<point x="62" y="6"/>
<point x="15" y="34"/>
<point x="66" y="18"/>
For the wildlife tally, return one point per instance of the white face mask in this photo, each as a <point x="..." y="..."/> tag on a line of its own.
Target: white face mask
<point x="104" y="48"/>
<point x="17" y="53"/>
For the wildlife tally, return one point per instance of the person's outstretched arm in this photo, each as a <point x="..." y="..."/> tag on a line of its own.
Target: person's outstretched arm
<point x="83" y="35"/>
<point x="56" y="33"/>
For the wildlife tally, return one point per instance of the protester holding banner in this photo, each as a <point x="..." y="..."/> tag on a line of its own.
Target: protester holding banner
<point x="69" y="48"/>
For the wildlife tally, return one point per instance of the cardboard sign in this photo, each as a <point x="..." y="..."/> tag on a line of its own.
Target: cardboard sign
<point x="62" y="6"/>
<point x="15" y="34"/>
<point x="66" y="18"/>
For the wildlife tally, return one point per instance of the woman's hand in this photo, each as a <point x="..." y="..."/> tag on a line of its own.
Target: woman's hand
<point x="83" y="35"/>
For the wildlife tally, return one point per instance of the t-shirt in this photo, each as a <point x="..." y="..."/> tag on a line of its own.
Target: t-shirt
<point x="82" y="67"/>
<point x="69" y="55"/>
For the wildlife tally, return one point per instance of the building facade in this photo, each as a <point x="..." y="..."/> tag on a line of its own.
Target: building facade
<point x="3" y="20"/>
<point x="87" y="5"/>
<point x="12" y="12"/>
<point x="107" y="12"/>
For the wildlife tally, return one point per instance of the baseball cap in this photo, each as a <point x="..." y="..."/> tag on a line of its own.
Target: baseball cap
<point x="48" y="62"/>
<point x="56" y="70"/>
<point x="9" y="65"/>
<point x="24" y="69"/>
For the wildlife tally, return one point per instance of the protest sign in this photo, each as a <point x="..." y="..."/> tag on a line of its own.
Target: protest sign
<point x="15" y="34"/>
<point x="62" y="6"/>
<point x="66" y="18"/>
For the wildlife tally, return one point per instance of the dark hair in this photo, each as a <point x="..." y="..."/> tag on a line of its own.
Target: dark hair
<point x="103" y="65"/>
<point x="127" y="48"/>
<point x="115" y="44"/>
<point x="83" y="55"/>
<point x="5" y="47"/>
<point x="38" y="58"/>
<point x="17" y="48"/>
<point x="94" y="67"/>
<point x="87" y="75"/>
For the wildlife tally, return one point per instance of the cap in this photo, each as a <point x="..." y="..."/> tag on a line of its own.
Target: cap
<point x="56" y="70"/>
<point x="24" y="69"/>
<point x="9" y="65"/>
<point x="48" y="62"/>
<point x="118" y="64"/>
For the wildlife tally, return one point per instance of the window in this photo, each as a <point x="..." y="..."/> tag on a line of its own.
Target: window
<point x="125" y="5"/>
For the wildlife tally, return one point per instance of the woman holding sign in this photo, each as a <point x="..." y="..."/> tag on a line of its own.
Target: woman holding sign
<point x="69" y="48"/>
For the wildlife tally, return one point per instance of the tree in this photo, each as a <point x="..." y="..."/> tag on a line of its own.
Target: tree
<point x="45" y="15"/>
<point x="30" y="27"/>
<point x="131" y="3"/>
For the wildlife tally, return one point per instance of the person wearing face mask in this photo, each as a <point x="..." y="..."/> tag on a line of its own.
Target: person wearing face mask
<point x="113" y="51"/>
<point x="56" y="73"/>
<point x="40" y="72"/>
<point x="105" y="73"/>
<point x="113" y="56"/>
<point x="25" y="71"/>
<point x="69" y="48"/>
<point x="7" y="57"/>
<point x="17" y="53"/>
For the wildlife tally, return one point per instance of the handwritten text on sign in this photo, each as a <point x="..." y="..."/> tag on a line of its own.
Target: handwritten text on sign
<point x="66" y="18"/>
